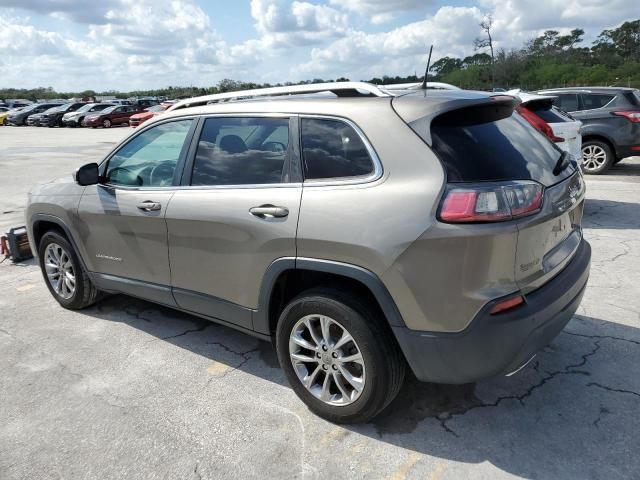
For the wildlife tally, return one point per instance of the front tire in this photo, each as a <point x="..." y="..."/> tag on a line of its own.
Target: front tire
<point x="106" y="123"/>
<point x="338" y="356"/>
<point x="63" y="273"/>
<point x="597" y="157"/>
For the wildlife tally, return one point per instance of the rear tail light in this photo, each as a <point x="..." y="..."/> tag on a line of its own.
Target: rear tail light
<point x="632" y="116"/>
<point x="538" y="123"/>
<point x="490" y="202"/>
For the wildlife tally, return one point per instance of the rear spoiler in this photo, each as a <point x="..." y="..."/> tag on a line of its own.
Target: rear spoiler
<point x="419" y="111"/>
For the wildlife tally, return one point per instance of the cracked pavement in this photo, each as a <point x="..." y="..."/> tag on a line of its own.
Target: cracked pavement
<point x="131" y="390"/>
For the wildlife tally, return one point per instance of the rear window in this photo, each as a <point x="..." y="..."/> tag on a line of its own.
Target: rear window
<point x="591" y="101"/>
<point x="333" y="149"/>
<point x="242" y="151"/>
<point x="550" y="115"/>
<point x="633" y="97"/>
<point x="504" y="149"/>
<point x="567" y="102"/>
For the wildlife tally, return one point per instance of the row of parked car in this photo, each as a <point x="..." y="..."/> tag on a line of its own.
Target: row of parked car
<point x="81" y="114"/>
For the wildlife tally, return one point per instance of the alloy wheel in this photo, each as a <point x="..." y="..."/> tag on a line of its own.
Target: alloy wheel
<point x="593" y="157"/>
<point x="59" y="269"/>
<point x="327" y="360"/>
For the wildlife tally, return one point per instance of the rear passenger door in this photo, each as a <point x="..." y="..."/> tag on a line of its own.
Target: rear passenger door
<point x="235" y="213"/>
<point x="339" y="199"/>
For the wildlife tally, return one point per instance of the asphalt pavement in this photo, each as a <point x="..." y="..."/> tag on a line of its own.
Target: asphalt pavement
<point x="131" y="390"/>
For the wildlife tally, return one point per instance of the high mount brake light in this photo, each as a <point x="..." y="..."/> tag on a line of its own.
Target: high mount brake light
<point x="632" y="116"/>
<point x="492" y="202"/>
<point x="538" y="123"/>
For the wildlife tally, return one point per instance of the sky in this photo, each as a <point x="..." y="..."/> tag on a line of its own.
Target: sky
<point x="74" y="45"/>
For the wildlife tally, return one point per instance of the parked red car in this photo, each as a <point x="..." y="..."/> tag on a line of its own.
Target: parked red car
<point x="140" y="118"/>
<point x="116" y="115"/>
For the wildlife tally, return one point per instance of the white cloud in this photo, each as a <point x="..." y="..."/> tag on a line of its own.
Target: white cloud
<point x="141" y="44"/>
<point x="380" y="11"/>
<point x="21" y="39"/>
<point x="400" y="51"/>
<point x="129" y="44"/>
<point x="518" y="21"/>
<point x="282" y="23"/>
<point x="81" y="11"/>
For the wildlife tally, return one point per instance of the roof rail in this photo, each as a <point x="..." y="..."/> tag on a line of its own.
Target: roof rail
<point x="416" y="86"/>
<point x="341" y="89"/>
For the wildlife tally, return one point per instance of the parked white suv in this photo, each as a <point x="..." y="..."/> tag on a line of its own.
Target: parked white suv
<point x="559" y="126"/>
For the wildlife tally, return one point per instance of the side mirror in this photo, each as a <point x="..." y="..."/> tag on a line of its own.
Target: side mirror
<point x="87" y="174"/>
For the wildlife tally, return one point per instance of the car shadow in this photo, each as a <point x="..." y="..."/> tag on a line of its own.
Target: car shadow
<point x="611" y="214"/>
<point x="548" y="421"/>
<point x="627" y="167"/>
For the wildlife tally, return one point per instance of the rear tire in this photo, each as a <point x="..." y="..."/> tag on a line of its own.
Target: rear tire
<point x="361" y="376"/>
<point x="64" y="274"/>
<point x="597" y="157"/>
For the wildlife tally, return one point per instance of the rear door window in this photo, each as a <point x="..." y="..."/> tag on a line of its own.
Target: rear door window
<point x="504" y="149"/>
<point x="242" y="151"/>
<point x="333" y="149"/>
<point x="592" y="101"/>
<point x="568" y="102"/>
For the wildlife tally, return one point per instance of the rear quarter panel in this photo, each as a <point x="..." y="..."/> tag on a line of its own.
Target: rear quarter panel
<point x="371" y="224"/>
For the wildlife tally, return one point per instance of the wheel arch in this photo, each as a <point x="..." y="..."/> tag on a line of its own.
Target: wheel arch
<point x="600" y="138"/>
<point x="286" y="277"/>
<point x="42" y="223"/>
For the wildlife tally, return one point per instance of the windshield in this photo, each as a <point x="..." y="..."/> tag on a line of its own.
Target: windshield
<point x="85" y="108"/>
<point x="155" y="108"/>
<point x="109" y="109"/>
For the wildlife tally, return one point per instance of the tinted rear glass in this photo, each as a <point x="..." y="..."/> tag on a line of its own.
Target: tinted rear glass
<point x="567" y="102"/>
<point x="505" y="149"/>
<point x="595" y="100"/>
<point x="242" y="151"/>
<point x="633" y="97"/>
<point x="549" y="115"/>
<point x="332" y="149"/>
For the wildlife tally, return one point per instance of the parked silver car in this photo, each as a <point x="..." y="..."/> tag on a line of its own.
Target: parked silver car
<point x="360" y="229"/>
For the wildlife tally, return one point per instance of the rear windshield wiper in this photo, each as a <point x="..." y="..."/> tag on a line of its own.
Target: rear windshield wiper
<point x="562" y="163"/>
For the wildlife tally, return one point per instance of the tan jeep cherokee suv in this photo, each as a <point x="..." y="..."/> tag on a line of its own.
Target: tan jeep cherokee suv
<point x="363" y="230"/>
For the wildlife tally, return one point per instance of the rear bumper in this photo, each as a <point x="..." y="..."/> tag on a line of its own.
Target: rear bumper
<point x="624" y="151"/>
<point x="499" y="344"/>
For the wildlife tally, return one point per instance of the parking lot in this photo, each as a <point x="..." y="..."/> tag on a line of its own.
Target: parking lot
<point x="129" y="389"/>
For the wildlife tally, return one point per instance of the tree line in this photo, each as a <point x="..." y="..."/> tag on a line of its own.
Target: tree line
<point x="550" y="60"/>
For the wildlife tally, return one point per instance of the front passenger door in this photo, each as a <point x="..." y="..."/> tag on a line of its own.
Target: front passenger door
<point x="122" y="218"/>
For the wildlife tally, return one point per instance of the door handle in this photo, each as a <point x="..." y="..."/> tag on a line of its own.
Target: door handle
<point x="149" y="206"/>
<point x="266" y="211"/>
